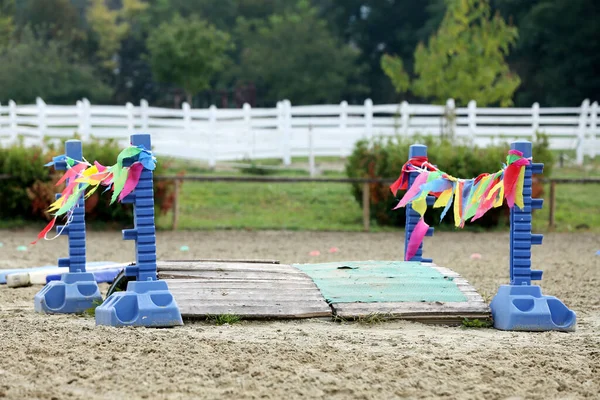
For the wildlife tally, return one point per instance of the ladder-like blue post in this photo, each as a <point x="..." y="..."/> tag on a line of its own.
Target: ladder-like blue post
<point x="521" y="306"/>
<point x="147" y="300"/>
<point x="413" y="217"/>
<point x="77" y="290"/>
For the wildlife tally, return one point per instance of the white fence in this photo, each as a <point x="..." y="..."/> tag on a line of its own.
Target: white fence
<point x="214" y="135"/>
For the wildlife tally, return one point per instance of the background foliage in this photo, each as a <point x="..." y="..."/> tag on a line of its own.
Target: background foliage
<point x="312" y="51"/>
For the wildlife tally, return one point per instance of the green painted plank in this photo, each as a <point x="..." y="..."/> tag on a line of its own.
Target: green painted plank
<point x="381" y="281"/>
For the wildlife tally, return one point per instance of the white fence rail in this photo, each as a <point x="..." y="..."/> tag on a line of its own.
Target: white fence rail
<point x="286" y="131"/>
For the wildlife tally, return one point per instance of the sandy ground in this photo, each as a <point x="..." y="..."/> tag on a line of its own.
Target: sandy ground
<point x="67" y="357"/>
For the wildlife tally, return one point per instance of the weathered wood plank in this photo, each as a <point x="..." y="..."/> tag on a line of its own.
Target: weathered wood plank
<point x="240" y="284"/>
<point x="279" y="276"/>
<point x="241" y="296"/>
<point x="201" y="266"/>
<point x="195" y="310"/>
<point x="219" y="260"/>
<point x="412" y="310"/>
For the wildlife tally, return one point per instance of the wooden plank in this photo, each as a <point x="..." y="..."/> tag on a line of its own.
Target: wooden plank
<point x="195" y="310"/>
<point x="230" y="267"/>
<point x="239" y="283"/>
<point x="217" y="260"/>
<point x="266" y="297"/>
<point x="410" y="309"/>
<point x="223" y="275"/>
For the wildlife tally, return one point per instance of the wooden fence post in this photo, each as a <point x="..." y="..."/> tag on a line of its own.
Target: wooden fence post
<point x="175" y="206"/>
<point x="583" y="116"/>
<point x="552" y="208"/>
<point x="366" y="206"/>
<point x="343" y="125"/>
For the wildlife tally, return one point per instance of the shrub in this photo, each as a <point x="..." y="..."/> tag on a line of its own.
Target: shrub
<point x="31" y="187"/>
<point x="384" y="158"/>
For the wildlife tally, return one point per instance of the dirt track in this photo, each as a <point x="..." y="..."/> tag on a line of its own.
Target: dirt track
<point x="62" y="357"/>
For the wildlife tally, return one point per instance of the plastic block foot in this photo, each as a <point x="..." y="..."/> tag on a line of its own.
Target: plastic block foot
<point x="524" y="308"/>
<point x="148" y="303"/>
<point x="73" y="294"/>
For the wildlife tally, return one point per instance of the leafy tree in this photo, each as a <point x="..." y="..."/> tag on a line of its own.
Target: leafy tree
<point x="111" y="26"/>
<point x="188" y="52"/>
<point x="558" y="52"/>
<point x="294" y="55"/>
<point x="6" y="21"/>
<point x="464" y="59"/>
<point x="33" y="67"/>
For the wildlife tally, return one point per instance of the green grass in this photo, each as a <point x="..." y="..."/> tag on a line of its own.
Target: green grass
<point x="223" y="319"/>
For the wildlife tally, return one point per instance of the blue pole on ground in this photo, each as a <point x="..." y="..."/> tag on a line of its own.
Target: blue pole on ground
<point x="77" y="291"/>
<point x="413" y="217"/>
<point x="521" y="306"/>
<point x="147" y="300"/>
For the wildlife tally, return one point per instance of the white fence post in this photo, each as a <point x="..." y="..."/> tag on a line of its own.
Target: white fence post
<point x="130" y="118"/>
<point x="250" y="135"/>
<point x="41" y="109"/>
<point x="472" y="118"/>
<point x="583" y="115"/>
<point x="311" y="152"/>
<point x="535" y="120"/>
<point x="593" y="131"/>
<point x="12" y="119"/>
<point x="343" y="125"/>
<point x="144" y="115"/>
<point x="451" y="117"/>
<point x="281" y="129"/>
<point x="212" y="125"/>
<point x="405" y="116"/>
<point x="86" y="119"/>
<point x="369" y="118"/>
<point x="287" y="132"/>
<point x="187" y="118"/>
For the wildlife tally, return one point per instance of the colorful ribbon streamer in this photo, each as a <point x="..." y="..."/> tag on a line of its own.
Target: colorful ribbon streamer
<point x="82" y="176"/>
<point x="471" y="198"/>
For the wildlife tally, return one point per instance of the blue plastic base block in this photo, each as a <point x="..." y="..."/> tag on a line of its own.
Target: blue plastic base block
<point x="524" y="308"/>
<point x="73" y="294"/>
<point x="146" y="303"/>
<point x="100" y="276"/>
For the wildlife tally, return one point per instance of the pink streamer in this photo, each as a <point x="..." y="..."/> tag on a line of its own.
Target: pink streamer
<point x="132" y="179"/>
<point x="416" y="238"/>
<point x="414" y="189"/>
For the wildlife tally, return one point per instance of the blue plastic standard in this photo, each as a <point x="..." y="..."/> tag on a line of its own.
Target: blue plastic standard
<point x="521" y="306"/>
<point x="147" y="301"/>
<point x="77" y="290"/>
<point x="413" y="217"/>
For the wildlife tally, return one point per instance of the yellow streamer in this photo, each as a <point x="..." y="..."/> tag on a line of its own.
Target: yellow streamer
<point x="443" y="199"/>
<point x="420" y="205"/>
<point x="519" y="189"/>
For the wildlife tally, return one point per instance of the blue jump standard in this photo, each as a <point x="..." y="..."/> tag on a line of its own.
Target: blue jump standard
<point x="518" y="306"/>
<point x="521" y="306"/>
<point x="77" y="290"/>
<point x="147" y="301"/>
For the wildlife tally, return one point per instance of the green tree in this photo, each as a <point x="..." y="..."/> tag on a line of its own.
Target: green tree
<point x="7" y="9"/>
<point x="558" y="51"/>
<point x="294" y="55"/>
<point x="188" y="52"/>
<point x="33" y="67"/>
<point x="464" y="59"/>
